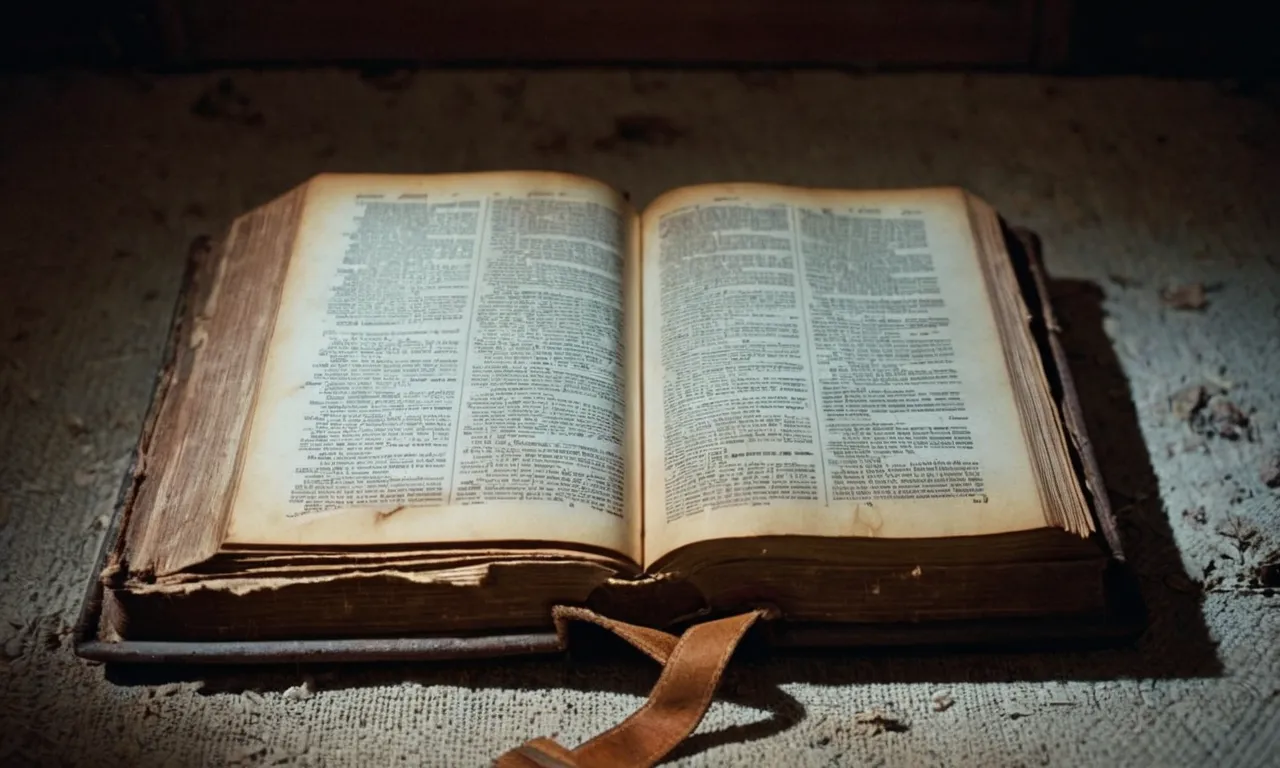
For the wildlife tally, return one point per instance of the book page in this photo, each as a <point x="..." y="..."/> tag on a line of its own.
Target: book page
<point x="823" y="363"/>
<point x="448" y="364"/>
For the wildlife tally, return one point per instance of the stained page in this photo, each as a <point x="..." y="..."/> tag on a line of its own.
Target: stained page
<point x="448" y="364"/>
<point x="823" y="363"/>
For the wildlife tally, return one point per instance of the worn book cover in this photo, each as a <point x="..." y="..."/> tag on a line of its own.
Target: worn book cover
<point x="409" y="415"/>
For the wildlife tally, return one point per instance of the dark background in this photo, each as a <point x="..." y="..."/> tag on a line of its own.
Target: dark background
<point x="1160" y="37"/>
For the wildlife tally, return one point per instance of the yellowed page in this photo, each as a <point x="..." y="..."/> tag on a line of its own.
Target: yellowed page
<point x="823" y="363"/>
<point x="448" y="364"/>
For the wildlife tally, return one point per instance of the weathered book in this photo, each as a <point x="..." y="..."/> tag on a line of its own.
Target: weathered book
<point x="409" y="415"/>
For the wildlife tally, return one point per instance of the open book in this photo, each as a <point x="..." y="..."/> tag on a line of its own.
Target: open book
<point x="441" y="404"/>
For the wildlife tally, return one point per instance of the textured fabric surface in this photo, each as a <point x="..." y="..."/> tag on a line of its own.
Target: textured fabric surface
<point x="1135" y="185"/>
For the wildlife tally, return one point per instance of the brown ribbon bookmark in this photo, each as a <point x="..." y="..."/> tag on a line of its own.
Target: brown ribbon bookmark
<point x="691" y="668"/>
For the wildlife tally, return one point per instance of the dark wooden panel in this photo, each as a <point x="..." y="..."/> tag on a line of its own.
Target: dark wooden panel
<point x="69" y="31"/>
<point x="892" y="32"/>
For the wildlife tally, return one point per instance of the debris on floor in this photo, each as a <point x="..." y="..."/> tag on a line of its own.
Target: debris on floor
<point x="1222" y="418"/>
<point x="1270" y="474"/>
<point x="1210" y="413"/>
<point x="1190" y="297"/>
<point x="55" y="633"/>
<point x="641" y="130"/>
<point x="942" y="701"/>
<point x="885" y="718"/>
<point x="1241" y="533"/>
<point x="224" y="101"/>
<point x="1060" y="697"/>
<point x="75" y="425"/>
<point x="300" y="692"/>
<point x="1187" y="401"/>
